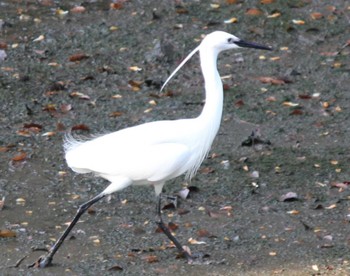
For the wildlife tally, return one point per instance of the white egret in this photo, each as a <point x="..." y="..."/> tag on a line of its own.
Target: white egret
<point x="152" y="153"/>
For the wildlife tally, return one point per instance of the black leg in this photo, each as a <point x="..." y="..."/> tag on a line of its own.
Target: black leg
<point x="166" y="231"/>
<point x="46" y="260"/>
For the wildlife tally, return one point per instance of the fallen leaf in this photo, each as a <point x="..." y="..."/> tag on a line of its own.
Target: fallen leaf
<point x="78" y="9"/>
<point x="297" y="112"/>
<point x="135" y="85"/>
<point x="5" y="233"/>
<point x="79" y="95"/>
<point x="33" y="127"/>
<point x="78" y="57"/>
<point x="39" y="38"/>
<point x="81" y="127"/>
<point x="181" y="10"/>
<point x="290" y="104"/>
<point x="2" y="203"/>
<point x="316" y="15"/>
<point x="151" y="259"/>
<point x="194" y="241"/>
<point x="3" y="45"/>
<point x="290" y="196"/>
<point x="135" y="68"/>
<point x="304" y="97"/>
<point x="115" y="114"/>
<point x="203" y="233"/>
<point x="341" y="185"/>
<point x="214" y="6"/>
<point x="65" y="108"/>
<point x="274" y="15"/>
<point x="19" y="157"/>
<point x="265" y="2"/>
<point x="207" y="170"/>
<point x="272" y="80"/>
<point x="231" y="20"/>
<point x="298" y="22"/>
<point x="115" y="268"/>
<point x="253" y="11"/>
<point x="330" y="207"/>
<point x="50" y="108"/>
<point x="293" y="212"/>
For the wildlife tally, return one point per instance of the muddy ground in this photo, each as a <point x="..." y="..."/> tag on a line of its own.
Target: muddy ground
<point x="296" y="96"/>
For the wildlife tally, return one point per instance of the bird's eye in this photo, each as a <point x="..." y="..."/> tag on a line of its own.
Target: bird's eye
<point x="230" y="40"/>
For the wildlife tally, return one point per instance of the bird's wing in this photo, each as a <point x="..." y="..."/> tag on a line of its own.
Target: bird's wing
<point x="156" y="162"/>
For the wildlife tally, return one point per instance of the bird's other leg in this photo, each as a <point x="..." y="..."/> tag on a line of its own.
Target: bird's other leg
<point x="171" y="198"/>
<point x="46" y="260"/>
<point x="166" y="231"/>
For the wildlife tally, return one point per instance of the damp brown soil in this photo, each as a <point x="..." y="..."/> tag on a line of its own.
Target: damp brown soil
<point x="73" y="70"/>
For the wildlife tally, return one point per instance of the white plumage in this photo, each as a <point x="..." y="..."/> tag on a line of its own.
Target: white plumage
<point x="152" y="153"/>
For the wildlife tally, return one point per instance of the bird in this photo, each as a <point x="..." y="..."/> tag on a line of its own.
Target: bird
<point x="155" y="152"/>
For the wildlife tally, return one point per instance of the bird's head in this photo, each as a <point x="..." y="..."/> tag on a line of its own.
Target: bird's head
<point x="222" y="41"/>
<point x="217" y="41"/>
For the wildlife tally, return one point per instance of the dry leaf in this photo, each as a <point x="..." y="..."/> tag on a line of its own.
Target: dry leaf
<point x="81" y="127"/>
<point x="3" y="45"/>
<point x="274" y="15"/>
<point x="78" y="9"/>
<point x="316" y="15"/>
<point x="290" y="196"/>
<point x="50" y="108"/>
<point x="65" y="108"/>
<point x="330" y="207"/>
<point x="39" y="38"/>
<point x="194" y="241"/>
<point x="78" y="57"/>
<point x="115" y="268"/>
<point x="297" y="112"/>
<point x="298" y="22"/>
<point x="116" y="6"/>
<point x="253" y="11"/>
<point x="203" y="233"/>
<point x="79" y="95"/>
<point x="290" y="104"/>
<point x="272" y="80"/>
<point x="5" y="233"/>
<point x="135" y="68"/>
<point x="116" y="114"/>
<point x="293" y="212"/>
<point x="19" y="157"/>
<point x="231" y="20"/>
<point x="135" y="85"/>
<point x="2" y="203"/>
<point x="151" y="259"/>
<point x="181" y="10"/>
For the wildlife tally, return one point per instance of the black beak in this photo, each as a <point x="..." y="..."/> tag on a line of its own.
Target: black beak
<point x="245" y="44"/>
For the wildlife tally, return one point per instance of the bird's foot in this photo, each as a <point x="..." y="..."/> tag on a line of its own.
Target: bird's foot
<point x="42" y="262"/>
<point x="198" y="259"/>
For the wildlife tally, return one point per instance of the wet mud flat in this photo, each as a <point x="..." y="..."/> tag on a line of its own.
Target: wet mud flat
<point x="278" y="208"/>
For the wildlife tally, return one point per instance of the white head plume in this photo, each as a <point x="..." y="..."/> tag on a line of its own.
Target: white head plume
<point x="179" y="67"/>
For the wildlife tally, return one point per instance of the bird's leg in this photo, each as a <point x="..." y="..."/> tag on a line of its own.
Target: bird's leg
<point x="166" y="231"/>
<point x="46" y="260"/>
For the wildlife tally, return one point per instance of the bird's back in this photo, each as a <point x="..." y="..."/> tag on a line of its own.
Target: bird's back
<point x="153" y="151"/>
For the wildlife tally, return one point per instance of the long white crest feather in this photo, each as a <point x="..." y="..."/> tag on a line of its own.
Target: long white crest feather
<point x="179" y="67"/>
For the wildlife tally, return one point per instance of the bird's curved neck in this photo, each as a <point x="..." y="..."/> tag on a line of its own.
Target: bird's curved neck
<point x="212" y="110"/>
